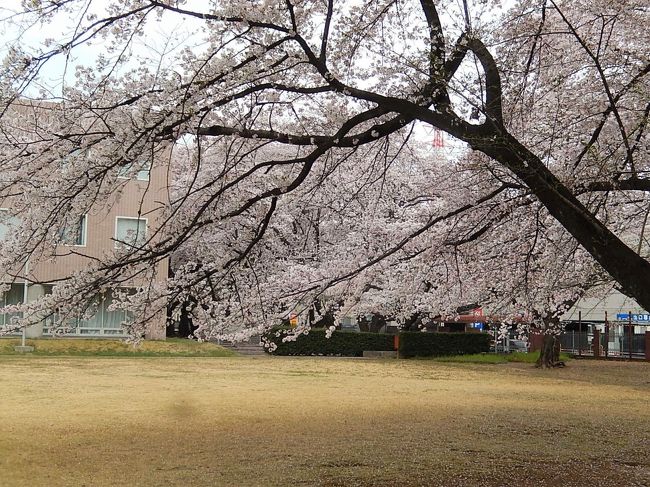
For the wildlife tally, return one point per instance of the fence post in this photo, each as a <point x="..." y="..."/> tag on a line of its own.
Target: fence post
<point x="579" y="333"/>
<point x="647" y="346"/>
<point x="630" y="333"/>
<point x="595" y="343"/>
<point x="606" y="345"/>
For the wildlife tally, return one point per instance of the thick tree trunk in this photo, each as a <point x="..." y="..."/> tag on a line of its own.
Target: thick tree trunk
<point x="549" y="355"/>
<point x="629" y="269"/>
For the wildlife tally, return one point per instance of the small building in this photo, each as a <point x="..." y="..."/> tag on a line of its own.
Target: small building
<point x="620" y="323"/>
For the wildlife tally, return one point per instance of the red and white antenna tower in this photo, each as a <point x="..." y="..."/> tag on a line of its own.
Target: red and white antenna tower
<point x="438" y="138"/>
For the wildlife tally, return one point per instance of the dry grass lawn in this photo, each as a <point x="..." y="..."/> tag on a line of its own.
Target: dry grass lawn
<point x="320" y="422"/>
<point x="172" y="347"/>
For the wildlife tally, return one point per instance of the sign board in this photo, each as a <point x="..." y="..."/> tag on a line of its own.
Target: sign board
<point x="636" y="317"/>
<point x="293" y="320"/>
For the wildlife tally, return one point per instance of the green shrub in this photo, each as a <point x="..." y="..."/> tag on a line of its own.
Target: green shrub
<point x="418" y="344"/>
<point x="343" y="343"/>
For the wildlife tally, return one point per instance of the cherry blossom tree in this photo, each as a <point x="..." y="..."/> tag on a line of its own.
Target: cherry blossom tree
<point x="323" y="236"/>
<point x="302" y="106"/>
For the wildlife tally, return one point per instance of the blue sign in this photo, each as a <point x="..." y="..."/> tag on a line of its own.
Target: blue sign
<point x="477" y="325"/>
<point x="636" y="317"/>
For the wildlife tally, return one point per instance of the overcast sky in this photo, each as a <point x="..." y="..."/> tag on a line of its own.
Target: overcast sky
<point x="162" y="39"/>
<point x="163" y="36"/>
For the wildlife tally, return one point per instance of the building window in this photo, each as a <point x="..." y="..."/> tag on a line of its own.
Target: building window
<point x="130" y="232"/>
<point x="127" y="172"/>
<point x="13" y="295"/>
<point x="75" y="234"/>
<point x="8" y="223"/>
<point x="97" y="320"/>
<point x="144" y="172"/>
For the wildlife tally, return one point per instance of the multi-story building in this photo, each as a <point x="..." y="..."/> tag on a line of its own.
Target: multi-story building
<point x="128" y="219"/>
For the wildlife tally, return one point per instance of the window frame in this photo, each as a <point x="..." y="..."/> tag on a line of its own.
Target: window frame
<point x="83" y="234"/>
<point x="5" y="318"/>
<point x="119" y="244"/>
<point x="122" y="172"/>
<point x="10" y="215"/>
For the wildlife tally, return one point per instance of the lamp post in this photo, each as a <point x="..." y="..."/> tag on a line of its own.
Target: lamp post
<point x="23" y="347"/>
<point x="25" y="285"/>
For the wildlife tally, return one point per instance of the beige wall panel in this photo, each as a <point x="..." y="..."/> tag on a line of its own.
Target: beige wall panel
<point x="138" y="199"/>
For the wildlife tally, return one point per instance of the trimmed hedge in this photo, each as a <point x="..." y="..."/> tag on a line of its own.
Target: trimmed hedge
<point x="418" y="344"/>
<point x="343" y="343"/>
<point x="353" y="344"/>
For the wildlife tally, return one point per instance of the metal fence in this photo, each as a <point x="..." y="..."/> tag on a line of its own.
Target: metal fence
<point x="615" y="343"/>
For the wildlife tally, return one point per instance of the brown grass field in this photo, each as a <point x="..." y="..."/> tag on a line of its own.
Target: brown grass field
<point x="324" y="422"/>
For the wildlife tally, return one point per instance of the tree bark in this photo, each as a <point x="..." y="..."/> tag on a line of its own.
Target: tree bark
<point x="549" y="355"/>
<point x="492" y="138"/>
<point x="627" y="267"/>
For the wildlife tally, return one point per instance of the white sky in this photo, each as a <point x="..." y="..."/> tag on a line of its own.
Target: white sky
<point x="163" y="36"/>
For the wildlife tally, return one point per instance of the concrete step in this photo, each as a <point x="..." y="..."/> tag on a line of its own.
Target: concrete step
<point x="246" y="349"/>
